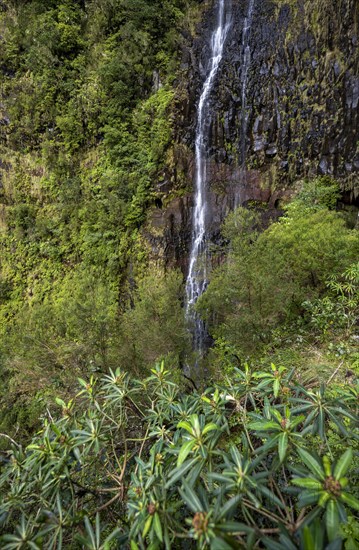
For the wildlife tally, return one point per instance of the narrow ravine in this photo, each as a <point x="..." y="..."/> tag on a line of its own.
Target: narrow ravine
<point x="198" y="263"/>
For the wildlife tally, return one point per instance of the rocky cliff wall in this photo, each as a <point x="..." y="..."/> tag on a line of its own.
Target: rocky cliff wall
<point x="301" y="113"/>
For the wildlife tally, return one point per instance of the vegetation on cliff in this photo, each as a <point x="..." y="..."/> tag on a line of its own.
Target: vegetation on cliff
<point x="85" y="133"/>
<point x="272" y="278"/>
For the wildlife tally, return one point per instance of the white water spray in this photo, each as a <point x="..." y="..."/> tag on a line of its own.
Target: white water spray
<point x="197" y="273"/>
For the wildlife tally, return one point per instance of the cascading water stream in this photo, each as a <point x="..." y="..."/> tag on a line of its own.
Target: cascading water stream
<point x="197" y="273"/>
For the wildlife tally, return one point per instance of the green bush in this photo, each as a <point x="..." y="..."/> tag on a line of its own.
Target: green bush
<point x="267" y="276"/>
<point x="340" y="308"/>
<point x="146" y="465"/>
<point x="154" y="327"/>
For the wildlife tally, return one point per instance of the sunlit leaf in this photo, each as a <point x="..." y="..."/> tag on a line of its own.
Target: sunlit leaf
<point x="343" y="464"/>
<point x="307" y="483"/>
<point x="185" y="450"/>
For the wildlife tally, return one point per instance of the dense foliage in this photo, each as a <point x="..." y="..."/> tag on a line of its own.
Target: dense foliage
<point x="85" y="133"/>
<point x="270" y="274"/>
<point x="258" y="460"/>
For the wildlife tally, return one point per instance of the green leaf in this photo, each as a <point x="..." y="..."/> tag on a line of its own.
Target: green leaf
<point x="263" y="426"/>
<point x="196" y="425"/>
<point x="185" y="450"/>
<point x="309" y="497"/>
<point x="318" y="533"/>
<point x="55" y="429"/>
<point x="209" y="428"/>
<point x="179" y="472"/>
<point x="190" y="498"/>
<point x="343" y="464"/>
<point x="338" y="424"/>
<point x="287" y="543"/>
<point x="311" y="517"/>
<point x="309" y="543"/>
<point x="147" y="526"/>
<point x="346" y="413"/>
<point x="307" y="483"/>
<point x="195" y="472"/>
<point x="297" y="420"/>
<point x="324" y="496"/>
<point x="332" y="520"/>
<point x="321" y="424"/>
<point x="351" y="501"/>
<point x="219" y="477"/>
<point x="98" y="530"/>
<point x="234" y="527"/>
<point x="282" y="446"/>
<point x="158" y="527"/>
<point x="266" y="408"/>
<point x="90" y="532"/>
<point x="236" y="455"/>
<point x="270" y="444"/>
<point x="311" y="462"/>
<point x="271" y="544"/>
<point x="186" y="426"/>
<point x="82" y="382"/>
<point x="205" y="399"/>
<point x="229" y="506"/>
<point x="344" y="482"/>
<point x="276" y="388"/>
<point x="327" y="465"/>
<point x="113" y="535"/>
<point x="276" y="413"/>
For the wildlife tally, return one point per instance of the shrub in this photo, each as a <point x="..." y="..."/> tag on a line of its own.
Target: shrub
<point x="268" y="276"/>
<point x="145" y="464"/>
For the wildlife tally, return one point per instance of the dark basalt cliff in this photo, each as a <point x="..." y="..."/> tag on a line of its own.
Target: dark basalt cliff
<point x="302" y="113"/>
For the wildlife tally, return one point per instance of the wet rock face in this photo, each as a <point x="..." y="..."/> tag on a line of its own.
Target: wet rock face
<point x="301" y="105"/>
<point x="302" y="93"/>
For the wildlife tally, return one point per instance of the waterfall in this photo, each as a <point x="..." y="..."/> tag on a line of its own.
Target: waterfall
<point x="197" y="272"/>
